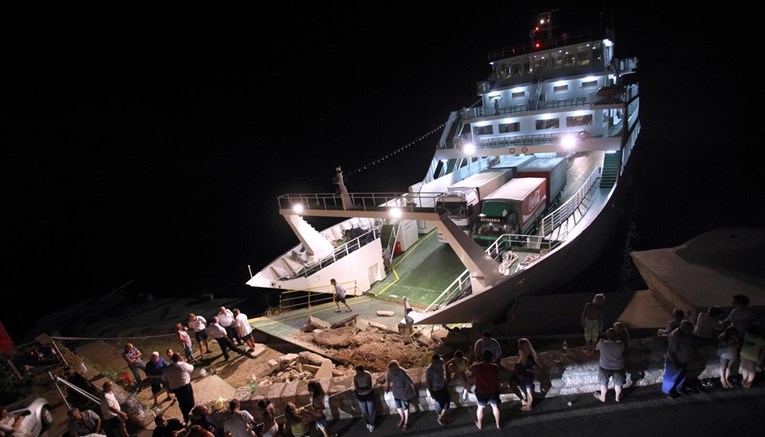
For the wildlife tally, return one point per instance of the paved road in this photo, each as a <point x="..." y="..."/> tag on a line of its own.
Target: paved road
<point x="643" y="412"/>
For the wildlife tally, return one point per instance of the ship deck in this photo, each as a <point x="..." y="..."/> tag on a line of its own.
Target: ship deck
<point x="425" y="270"/>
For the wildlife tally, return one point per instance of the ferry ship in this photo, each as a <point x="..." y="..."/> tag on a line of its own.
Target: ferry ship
<point x="556" y="123"/>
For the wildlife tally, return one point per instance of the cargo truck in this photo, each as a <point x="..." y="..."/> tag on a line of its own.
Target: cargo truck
<point x="512" y="209"/>
<point x="554" y="170"/>
<point x="462" y="200"/>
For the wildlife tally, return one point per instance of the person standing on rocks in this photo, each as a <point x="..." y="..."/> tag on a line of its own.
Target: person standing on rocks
<point x="244" y="329"/>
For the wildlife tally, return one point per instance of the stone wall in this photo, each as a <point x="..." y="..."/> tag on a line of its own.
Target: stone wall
<point x="563" y="374"/>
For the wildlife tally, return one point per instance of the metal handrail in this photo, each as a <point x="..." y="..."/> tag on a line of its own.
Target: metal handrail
<point x="341" y="251"/>
<point x="560" y="215"/>
<point x="307" y="298"/>
<point x="359" y="201"/>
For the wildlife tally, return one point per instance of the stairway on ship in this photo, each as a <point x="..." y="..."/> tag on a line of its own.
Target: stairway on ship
<point x="610" y="172"/>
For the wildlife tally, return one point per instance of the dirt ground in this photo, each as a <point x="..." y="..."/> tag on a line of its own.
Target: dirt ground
<point x="372" y="348"/>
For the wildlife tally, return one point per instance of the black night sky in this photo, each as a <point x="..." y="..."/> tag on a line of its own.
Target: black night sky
<point x="152" y="148"/>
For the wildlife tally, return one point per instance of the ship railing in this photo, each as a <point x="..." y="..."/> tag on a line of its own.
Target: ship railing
<point x="412" y="202"/>
<point x="563" y="103"/>
<point x="460" y="286"/>
<point x="524" y="107"/>
<point x="544" y="73"/>
<point x="519" y="140"/>
<point x="309" y="297"/>
<point x="560" y="216"/>
<point x="340" y="252"/>
<point x="571" y="38"/>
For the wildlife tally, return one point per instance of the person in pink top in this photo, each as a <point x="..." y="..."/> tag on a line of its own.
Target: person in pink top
<point x="185" y="340"/>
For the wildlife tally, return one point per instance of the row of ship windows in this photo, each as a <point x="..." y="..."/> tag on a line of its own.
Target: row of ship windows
<point x="583" y="55"/>
<point x="560" y="89"/>
<point x="551" y="123"/>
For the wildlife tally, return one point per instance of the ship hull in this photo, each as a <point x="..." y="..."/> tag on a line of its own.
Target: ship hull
<point x="547" y="275"/>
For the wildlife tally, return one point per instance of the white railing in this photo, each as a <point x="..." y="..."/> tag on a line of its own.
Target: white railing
<point x="359" y="201"/>
<point x="560" y="215"/>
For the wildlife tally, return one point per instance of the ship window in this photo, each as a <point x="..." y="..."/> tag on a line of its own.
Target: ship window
<point x="516" y="71"/>
<point x="548" y="124"/>
<point x="483" y="130"/>
<point x="581" y="120"/>
<point x="570" y="57"/>
<point x="560" y="89"/>
<point x="583" y="55"/>
<point x="505" y="128"/>
<point x="590" y="85"/>
<point x="519" y="95"/>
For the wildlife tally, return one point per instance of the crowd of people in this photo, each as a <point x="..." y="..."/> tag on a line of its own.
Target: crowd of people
<point x="737" y="338"/>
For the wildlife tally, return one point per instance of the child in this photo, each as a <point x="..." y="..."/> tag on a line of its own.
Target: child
<point x="458" y="366"/>
<point x="677" y="316"/>
<point x="592" y="322"/>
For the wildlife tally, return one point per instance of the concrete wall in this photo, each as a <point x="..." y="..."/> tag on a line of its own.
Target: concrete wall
<point x="563" y="374"/>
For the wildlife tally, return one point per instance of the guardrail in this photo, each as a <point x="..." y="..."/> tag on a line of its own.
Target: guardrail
<point x="359" y="201"/>
<point x="340" y="252"/>
<point x="560" y="215"/>
<point x="294" y="299"/>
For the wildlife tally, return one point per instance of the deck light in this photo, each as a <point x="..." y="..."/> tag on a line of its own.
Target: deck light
<point x="395" y="212"/>
<point x="469" y="148"/>
<point x="298" y="208"/>
<point x="568" y="141"/>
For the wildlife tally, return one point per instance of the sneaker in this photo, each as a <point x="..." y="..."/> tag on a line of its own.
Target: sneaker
<point x="440" y="421"/>
<point x="673" y="394"/>
<point x="371" y="428"/>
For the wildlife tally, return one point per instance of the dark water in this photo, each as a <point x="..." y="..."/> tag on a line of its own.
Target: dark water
<point x="159" y="160"/>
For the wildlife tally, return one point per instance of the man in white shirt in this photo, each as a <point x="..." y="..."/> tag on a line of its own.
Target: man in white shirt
<point x="198" y="325"/>
<point x="114" y="417"/>
<point x="177" y="376"/>
<point x="219" y="334"/>
<point x="226" y="320"/>
<point x="244" y="329"/>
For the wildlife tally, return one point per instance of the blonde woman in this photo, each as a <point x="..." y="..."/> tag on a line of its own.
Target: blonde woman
<point x="401" y="385"/>
<point x="524" y="371"/>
